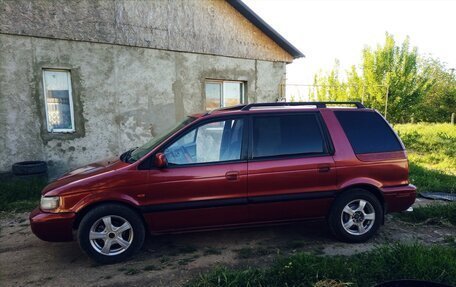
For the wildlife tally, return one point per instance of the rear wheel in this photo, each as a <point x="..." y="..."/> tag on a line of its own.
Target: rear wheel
<point x="111" y="233"/>
<point x="355" y="216"/>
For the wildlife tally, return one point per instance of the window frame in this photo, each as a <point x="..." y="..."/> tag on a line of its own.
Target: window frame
<point x="243" y="99"/>
<point x="328" y="147"/>
<point x="185" y="131"/>
<point x="70" y="98"/>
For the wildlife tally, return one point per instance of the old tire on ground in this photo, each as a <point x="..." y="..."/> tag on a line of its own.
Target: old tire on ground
<point x="29" y="168"/>
<point x="111" y="233"/>
<point x="355" y="216"/>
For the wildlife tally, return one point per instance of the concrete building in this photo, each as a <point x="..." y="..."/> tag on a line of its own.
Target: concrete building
<point x="85" y="80"/>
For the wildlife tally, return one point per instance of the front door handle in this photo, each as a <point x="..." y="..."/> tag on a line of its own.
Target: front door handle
<point x="324" y="168"/>
<point x="232" y="175"/>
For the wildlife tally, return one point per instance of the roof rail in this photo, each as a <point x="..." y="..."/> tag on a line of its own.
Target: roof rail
<point x="231" y="108"/>
<point x="319" y="105"/>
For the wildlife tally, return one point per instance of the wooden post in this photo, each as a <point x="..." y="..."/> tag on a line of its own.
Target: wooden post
<point x="452" y="118"/>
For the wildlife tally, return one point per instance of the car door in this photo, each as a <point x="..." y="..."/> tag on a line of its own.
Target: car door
<point x="291" y="172"/>
<point x="205" y="181"/>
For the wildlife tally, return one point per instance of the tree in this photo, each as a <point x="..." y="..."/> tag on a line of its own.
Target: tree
<point x="392" y="73"/>
<point x="440" y="101"/>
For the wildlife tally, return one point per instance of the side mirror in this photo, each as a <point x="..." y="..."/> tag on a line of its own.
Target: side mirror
<point x="160" y="160"/>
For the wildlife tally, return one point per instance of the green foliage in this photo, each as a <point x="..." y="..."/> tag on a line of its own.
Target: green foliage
<point x="434" y="214"/>
<point x="21" y="194"/>
<point x="440" y="100"/>
<point x="431" y="150"/>
<point x="391" y="262"/>
<point x="416" y="87"/>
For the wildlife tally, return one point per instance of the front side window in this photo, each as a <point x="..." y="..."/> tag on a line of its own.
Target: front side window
<point x="221" y="94"/>
<point x="286" y="135"/>
<point x="212" y="142"/>
<point x="58" y="101"/>
<point x="141" y="151"/>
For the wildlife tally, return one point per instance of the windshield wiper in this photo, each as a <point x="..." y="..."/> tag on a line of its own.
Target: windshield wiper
<point x="126" y="155"/>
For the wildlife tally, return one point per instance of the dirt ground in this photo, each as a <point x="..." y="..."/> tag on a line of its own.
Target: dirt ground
<point x="172" y="260"/>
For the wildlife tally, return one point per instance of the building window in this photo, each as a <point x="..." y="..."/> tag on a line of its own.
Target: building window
<point x="221" y="94"/>
<point x="58" y="101"/>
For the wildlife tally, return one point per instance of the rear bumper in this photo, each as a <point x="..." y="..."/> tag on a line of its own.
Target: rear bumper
<point x="55" y="227"/>
<point x="399" y="198"/>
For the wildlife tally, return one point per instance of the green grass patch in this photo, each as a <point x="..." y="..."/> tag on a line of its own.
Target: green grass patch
<point x="21" y="194"/>
<point x="132" y="271"/>
<point x="432" y="154"/>
<point x="391" y="262"/>
<point x="432" y="214"/>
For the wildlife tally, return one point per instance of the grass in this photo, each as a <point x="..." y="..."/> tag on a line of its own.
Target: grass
<point x="132" y="271"/>
<point x="20" y="194"/>
<point x="432" y="153"/>
<point x="391" y="262"/>
<point x="432" y="214"/>
<point x="249" y="252"/>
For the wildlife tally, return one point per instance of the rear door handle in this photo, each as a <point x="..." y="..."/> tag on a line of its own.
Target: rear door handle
<point x="324" y="168"/>
<point x="232" y="175"/>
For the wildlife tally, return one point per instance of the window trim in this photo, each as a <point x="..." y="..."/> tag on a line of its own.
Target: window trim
<point x="244" y="144"/>
<point x="70" y="97"/>
<point x="328" y="148"/>
<point x="243" y="99"/>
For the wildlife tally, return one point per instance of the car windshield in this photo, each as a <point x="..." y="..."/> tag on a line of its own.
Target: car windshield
<point x="152" y="143"/>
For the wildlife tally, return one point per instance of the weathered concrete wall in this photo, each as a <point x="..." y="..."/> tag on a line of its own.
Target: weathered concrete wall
<point x="123" y="93"/>
<point x="200" y="26"/>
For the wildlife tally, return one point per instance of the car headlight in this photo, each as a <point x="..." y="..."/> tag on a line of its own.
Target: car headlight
<point x="49" y="202"/>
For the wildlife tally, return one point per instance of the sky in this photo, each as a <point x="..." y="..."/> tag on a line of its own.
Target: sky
<point x="326" y="30"/>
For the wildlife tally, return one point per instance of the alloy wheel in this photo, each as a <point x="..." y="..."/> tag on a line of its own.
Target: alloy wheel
<point x="358" y="217"/>
<point x="111" y="235"/>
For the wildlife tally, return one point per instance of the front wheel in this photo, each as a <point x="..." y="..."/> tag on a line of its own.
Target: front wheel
<point x="111" y="233"/>
<point x="355" y="216"/>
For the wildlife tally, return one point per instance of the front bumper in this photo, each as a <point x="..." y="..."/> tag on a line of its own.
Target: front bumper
<point x="399" y="198"/>
<point x="55" y="227"/>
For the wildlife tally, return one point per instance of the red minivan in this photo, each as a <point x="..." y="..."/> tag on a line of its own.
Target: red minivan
<point x="244" y="165"/>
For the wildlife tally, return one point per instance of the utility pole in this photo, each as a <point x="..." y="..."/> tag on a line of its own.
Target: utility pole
<point x="386" y="101"/>
<point x="362" y="97"/>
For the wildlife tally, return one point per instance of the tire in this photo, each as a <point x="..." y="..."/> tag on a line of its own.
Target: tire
<point x="100" y="226"/>
<point x="29" y="167"/>
<point x="348" y="222"/>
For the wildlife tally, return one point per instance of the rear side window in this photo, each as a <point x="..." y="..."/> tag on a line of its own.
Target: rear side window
<point x="368" y="132"/>
<point x="286" y="135"/>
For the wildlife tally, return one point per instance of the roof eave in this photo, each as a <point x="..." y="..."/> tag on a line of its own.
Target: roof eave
<point x="256" y="20"/>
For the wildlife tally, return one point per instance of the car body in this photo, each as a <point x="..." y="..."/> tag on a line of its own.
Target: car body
<point x="239" y="166"/>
